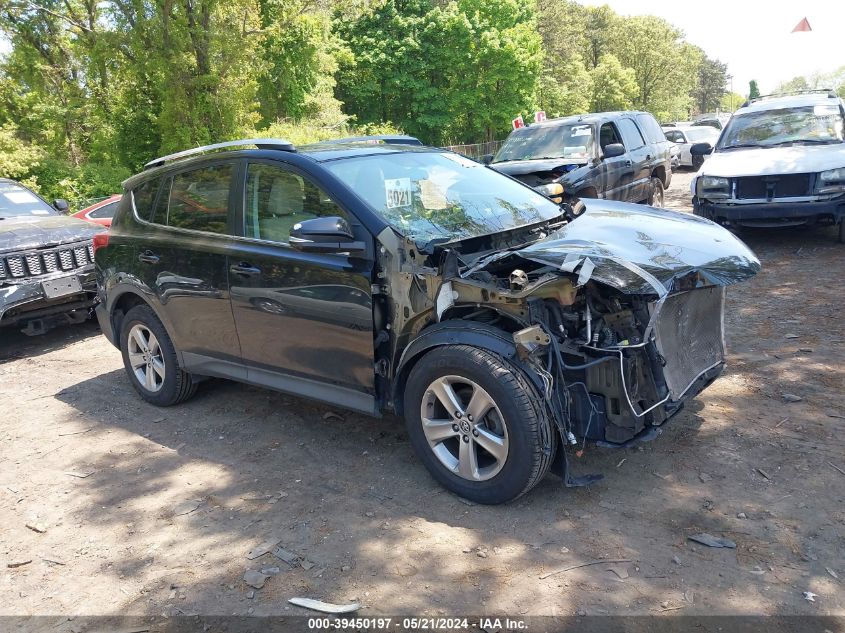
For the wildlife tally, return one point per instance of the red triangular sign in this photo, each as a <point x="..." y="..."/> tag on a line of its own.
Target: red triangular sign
<point x="803" y="25"/>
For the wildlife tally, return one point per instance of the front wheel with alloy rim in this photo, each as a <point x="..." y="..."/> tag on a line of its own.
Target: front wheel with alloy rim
<point x="655" y="193"/>
<point x="150" y="359"/>
<point x="477" y="424"/>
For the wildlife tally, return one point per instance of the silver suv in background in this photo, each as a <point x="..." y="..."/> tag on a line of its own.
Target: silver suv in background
<point x="779" y="162"/>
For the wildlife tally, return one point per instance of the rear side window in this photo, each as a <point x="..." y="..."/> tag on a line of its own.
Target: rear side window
<point x="651" y="130"/>
<point x="143" y="197"/>
<point x="105" y="211"/>
<point x="199" y="199"/>
<point x="631" y="134"/>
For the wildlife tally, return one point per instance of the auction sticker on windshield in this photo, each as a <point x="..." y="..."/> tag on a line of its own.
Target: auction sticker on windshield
<point x="398" y="192"/>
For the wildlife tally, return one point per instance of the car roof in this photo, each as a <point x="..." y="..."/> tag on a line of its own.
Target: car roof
<point x="593" y="117"/>
<point x="776" y="102"/>
<point x="317" y="152"/>
<point x="389" y="139"/>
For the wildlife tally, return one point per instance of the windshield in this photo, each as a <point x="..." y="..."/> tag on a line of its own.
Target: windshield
<point x="16" y="201"/>
<point x="701" y="134"/>
<point x="548" y="141"/>
<point x="819" y="124"/>
<point x="432" y="196"/>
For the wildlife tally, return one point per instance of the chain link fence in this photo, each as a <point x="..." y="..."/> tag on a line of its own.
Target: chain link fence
<point x="476" y="150"/>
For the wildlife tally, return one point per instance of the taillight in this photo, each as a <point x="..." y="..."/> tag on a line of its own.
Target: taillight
<point x="100" y="240"/>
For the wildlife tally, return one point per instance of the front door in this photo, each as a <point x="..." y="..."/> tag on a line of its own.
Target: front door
<point x="304" y="320"/>
<point x="183" y="260"/>
<point x="616" y="172"/>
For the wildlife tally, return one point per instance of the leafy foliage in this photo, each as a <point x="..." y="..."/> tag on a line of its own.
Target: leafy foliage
<point x="90" y="91"/>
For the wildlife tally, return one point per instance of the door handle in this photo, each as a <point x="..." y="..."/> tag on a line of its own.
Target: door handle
<point x="148" y="257"/>
<point x="244" y="269"/>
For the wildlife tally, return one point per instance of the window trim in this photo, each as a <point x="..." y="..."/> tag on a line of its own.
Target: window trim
<point x="242" y="200"/>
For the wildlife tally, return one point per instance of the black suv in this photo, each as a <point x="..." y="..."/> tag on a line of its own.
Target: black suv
<point x="612" y="155"/>
<point x="46" y="262"/>
<point x="412" y="280"/>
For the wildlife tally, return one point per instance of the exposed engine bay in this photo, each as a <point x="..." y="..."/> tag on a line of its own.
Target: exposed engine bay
<point x="615" y="337"/>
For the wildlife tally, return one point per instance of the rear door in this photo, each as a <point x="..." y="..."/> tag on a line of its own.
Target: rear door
<point x="640" y="155"/>
<point x="182" y="258"/>
<point x="305" y="320"/>
<point x="617" y="173"/>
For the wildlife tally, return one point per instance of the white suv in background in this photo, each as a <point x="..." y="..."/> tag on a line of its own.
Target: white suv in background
<point x="780" y="161"/>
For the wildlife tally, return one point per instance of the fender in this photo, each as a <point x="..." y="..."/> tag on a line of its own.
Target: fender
<point x="455" y="332"/>
<point x="131" y="285"/>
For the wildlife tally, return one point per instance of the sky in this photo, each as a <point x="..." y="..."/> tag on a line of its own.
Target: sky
<point x="753" y="37"/>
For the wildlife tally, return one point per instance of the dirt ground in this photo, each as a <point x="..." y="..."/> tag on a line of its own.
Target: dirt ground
<point x="120" y="507"/>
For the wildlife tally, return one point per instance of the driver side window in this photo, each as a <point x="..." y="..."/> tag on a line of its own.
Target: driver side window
<point x="277" y="199"/>
<point x="608" y="135"/>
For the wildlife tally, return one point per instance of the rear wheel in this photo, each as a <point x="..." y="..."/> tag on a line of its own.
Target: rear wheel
<point x="842" y="231"/>
<point x="150" y="359"/>
<point x="477" y="424"/>
<point x="655" y="193"/>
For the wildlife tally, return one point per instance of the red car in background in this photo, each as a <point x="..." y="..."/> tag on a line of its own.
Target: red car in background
<point x="101" y="212"/>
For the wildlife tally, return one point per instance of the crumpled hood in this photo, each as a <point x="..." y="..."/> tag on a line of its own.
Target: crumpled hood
<point x="17" y="234"/>
<point x="643" y="250"/>
<point x="522" y="167"/>
<point x="799" y="159"/>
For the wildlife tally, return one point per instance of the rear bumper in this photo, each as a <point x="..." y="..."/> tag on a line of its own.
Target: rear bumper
<point x="26" y="301"/>
<point x="773" y="213"/>
<point x="105" y="323"/>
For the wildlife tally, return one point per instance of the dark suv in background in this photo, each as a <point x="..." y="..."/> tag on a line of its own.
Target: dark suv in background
<point x="46" y="262"/>
<point x="612" y="155"/>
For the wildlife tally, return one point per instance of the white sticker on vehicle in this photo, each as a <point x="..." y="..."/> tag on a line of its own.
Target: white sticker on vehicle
<point x="20" y="196"/>
<point x="398" y="191"/>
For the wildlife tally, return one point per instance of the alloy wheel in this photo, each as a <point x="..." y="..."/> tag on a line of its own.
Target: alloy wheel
<point x="145" y="357"/>
<point x="464" y="428"/>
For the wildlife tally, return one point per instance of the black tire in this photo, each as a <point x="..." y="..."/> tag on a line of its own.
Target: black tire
<point x="530" y="434"/>
<point x="842" y="231"/>
<point x="655" y="193"/>
<point x="176" y="384"/>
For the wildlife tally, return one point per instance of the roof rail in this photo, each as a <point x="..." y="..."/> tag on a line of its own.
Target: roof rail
<point x="260" y="143"/>
<point x="830" y="92"/>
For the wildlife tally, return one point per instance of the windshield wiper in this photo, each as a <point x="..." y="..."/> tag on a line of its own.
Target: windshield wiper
<point x="806" y="141"/>
<point x="742" y="145"/>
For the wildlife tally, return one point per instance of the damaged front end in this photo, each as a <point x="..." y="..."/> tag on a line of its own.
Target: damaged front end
<point x="616" y="317"/>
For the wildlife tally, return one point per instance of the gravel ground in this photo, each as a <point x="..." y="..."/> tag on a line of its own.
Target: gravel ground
<point x="120" y="507"/>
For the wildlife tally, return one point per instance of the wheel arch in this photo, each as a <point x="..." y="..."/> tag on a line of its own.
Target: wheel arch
<point x="660" y="173"/>
<point x="454" y="332"/>
<point x="126" y="299"/>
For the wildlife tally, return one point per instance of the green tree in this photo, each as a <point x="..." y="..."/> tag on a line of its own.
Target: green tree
<point x="614" y="87"/>
<point x="753" y="90"/>
<point x="712" y="76"/>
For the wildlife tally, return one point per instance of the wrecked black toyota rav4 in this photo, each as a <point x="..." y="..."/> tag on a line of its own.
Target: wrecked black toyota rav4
<point x="412" y="280"/>
<point x="46" y="262"/>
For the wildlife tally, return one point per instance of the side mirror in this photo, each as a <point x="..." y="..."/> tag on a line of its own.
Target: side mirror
<point x="701" y="149"/>
<point x="487" y="159"/>
<point x="612" y="150"/>
<point x="324" y="235"/>
<point x="61" y="205"/>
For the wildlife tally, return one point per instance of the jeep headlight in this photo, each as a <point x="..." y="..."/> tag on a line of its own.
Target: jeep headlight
<point x="710" y="187"/>
<point x="831" y="181"/>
